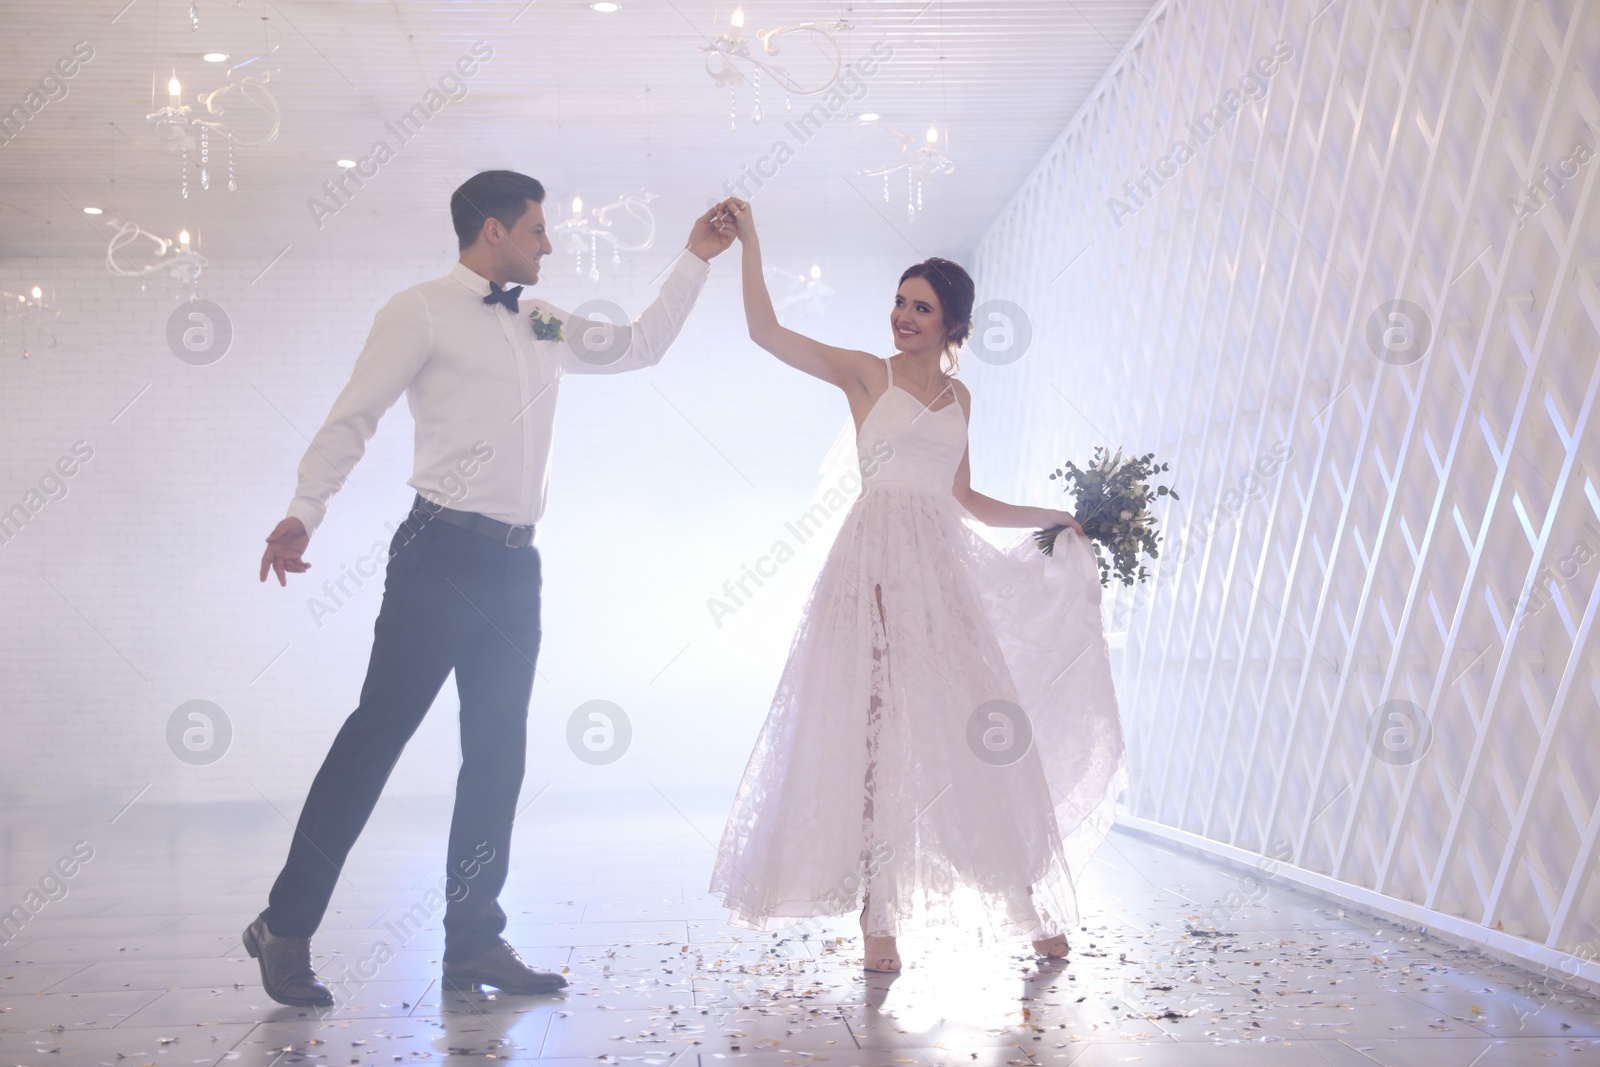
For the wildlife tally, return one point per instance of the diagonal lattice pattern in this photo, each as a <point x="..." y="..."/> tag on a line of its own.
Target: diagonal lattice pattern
<point x="1340" y="265"/>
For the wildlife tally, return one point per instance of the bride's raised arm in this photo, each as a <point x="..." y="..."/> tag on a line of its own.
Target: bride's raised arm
<point x="843" y="367"/>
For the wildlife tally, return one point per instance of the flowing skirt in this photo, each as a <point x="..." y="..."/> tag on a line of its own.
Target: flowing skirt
<point x="944" y="739"/>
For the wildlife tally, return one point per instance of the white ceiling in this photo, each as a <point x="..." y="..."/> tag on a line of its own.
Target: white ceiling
<point x="589" y="103"/>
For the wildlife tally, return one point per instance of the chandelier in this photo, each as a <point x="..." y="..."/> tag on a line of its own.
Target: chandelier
<point x="790" y="288"/>
<point x="733" y="46"/>
<point x="174" y="258"/>
<point x="29" y="315"/>
<point x="578" y="234"/>
<point x="918" y="162"/>
<point x="189" y="126"/>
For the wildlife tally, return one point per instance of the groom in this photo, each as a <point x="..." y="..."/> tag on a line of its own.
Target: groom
<point x="461" y="593"/>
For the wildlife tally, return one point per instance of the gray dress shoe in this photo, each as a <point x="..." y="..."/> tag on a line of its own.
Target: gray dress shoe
<point x="286" y="972"/>
<point x="502" y="969"/>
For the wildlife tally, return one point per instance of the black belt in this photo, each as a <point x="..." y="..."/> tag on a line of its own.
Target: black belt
<point x="507" y="534"/>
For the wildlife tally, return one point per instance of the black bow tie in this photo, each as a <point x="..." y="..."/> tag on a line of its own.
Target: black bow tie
<point x="508" y="297"/>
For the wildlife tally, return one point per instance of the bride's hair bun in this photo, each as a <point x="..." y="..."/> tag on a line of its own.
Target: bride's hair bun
<point x="953" y="286"/>
<point x="959" y="335"/>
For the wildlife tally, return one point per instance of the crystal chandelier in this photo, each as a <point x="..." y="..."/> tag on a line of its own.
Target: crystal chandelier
<point x="189" y="126"/>
<point x="733" y="45"/>
<point x="919" y="162"/>
<point x="791" y="288"/>
<point x="578" y="234"/>
<point x="174" y="258"/>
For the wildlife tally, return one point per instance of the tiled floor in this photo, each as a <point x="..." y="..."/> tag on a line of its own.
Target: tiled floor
<point x="1178" y="962"/>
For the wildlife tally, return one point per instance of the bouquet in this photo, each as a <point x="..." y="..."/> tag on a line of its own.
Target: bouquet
<point x="1112" y="502"/>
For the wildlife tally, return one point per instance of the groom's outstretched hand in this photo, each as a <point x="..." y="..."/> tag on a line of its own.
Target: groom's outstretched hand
<point x="285" y="544"/>
<point x="709" y="237"/>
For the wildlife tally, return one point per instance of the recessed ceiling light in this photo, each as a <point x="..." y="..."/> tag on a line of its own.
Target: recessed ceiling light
<point x="91" y="211"/>
<point x="605" y="7"/>
<point x="345" y="163"/>
<point x="215" y="57"/>
<point x="869" y="116"/>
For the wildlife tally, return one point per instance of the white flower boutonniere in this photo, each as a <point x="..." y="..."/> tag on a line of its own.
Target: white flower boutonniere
<point x="546" y="328"/>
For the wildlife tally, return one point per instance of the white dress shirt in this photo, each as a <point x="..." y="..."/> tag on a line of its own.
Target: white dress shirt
<point x="481" y="388"/>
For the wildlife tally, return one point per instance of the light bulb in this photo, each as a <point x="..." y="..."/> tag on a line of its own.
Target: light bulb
<point x="933" y="135"/>
<point x="37" y="292"/>
<point x="175" y="89"/>
<point x="183" y="238"/>
<point x="816" y="271"/>
<point x="738" y="18"/>
<point x="577" y="206"/>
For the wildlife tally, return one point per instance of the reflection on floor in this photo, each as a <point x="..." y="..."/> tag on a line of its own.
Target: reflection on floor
<point x="1178" y="962"/>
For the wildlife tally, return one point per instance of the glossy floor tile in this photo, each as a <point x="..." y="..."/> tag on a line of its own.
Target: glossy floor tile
<point x="140" y="964"/>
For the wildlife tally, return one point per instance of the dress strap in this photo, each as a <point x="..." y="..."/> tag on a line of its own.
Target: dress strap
<point x="890" y="368"/>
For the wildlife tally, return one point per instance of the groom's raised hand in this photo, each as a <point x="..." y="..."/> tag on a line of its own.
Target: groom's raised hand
<point x="709" y="238"/>
<point x="285" y="544"/>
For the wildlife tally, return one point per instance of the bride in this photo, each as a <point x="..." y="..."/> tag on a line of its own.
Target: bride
<point x="943" y="746"/>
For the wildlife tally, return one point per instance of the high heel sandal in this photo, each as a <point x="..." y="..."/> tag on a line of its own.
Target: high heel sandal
<point x="1055" y="948"/>
<point x="878" y="949"/>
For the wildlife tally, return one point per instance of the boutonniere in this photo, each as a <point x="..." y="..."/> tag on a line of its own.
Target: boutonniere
<point x="546" y="328"/>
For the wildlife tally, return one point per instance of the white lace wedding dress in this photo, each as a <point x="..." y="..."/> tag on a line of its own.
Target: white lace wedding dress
<point x="894" y="764"/>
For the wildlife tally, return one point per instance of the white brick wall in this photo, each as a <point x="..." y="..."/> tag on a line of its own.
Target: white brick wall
<point x="136" y="591"/>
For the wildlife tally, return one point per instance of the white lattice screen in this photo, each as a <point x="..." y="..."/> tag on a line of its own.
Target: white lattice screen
<point x="1369" y="648"/>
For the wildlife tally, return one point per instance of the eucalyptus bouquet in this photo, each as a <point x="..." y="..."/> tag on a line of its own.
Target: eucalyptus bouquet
<point x="1112" y="502"/>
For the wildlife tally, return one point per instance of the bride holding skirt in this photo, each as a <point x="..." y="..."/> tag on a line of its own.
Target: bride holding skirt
<point x="944" y="743"/>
